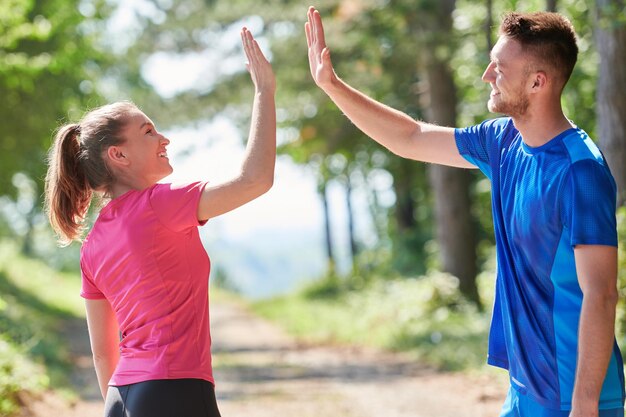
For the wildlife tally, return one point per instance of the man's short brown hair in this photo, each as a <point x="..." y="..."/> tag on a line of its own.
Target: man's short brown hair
<point x="548" y="37"/>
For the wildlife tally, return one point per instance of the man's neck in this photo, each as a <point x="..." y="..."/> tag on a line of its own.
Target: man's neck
<point x="539" y="127"/>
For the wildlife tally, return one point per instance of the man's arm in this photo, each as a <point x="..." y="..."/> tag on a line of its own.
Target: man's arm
<point x="391" y="128"/>
<point x="596" y="267"/>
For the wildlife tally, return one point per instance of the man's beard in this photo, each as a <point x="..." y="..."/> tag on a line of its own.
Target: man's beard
<point x="514" y="108"/>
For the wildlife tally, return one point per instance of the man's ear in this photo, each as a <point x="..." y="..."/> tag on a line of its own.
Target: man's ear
<point x="116" y="156"/>
<point x="539" y="81"/>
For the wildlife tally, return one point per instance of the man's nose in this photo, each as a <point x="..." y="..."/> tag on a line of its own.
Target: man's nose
<point x="489" y="74"/>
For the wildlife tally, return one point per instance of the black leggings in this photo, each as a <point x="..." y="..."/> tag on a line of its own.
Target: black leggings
<point x="162" y="398"/>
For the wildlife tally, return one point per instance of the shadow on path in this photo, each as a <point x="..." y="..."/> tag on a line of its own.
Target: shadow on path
<point x="259" y="371"/>
<point x="262" y="372"/>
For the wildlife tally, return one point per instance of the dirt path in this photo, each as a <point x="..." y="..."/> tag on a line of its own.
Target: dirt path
<point x="261" y="372"/>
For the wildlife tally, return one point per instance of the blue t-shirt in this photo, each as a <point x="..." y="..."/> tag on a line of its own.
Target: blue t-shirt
<point x="545" y="200"/>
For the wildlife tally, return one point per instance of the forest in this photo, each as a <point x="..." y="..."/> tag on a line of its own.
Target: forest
<point x="59" y="58"/>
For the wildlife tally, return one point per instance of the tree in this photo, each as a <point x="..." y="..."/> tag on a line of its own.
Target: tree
<point x="388" y="72"/>
<point x="610" y="32"/>
<point x="48" y="66"/>
<point x="489" y="24"/>
<point x="454" y="225"/>
<point x="404" y="53"/>
<point x="551" y="5"/>
<point x="48" y="63"/>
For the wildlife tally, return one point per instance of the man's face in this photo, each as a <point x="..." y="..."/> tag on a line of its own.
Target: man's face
<point x="508" y="74"/>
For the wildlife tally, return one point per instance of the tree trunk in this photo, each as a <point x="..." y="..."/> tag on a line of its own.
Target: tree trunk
<point x="28" y="240"/>
<point x="455" y="231"/>
<point x="378" y="220"/>
<point x="551" y="5"/>
<point x="610" y="38"/>
<point x="405" y="204"/>
<point x="489" y="25"/>
<point x="323" y="189"/>
<point x="353" y="246"/>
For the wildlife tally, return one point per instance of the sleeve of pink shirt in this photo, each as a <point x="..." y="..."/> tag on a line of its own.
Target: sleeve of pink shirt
<point x="88" y="288"/>
<point x="176" y="205"/>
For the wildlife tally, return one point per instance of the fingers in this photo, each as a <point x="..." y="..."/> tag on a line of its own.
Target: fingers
<point x="307" y="32"/>
<point x="316" y="27"/>
<point x="247" y="42"/>
<point x="251" y="48"/>
<point x="258" y="66"/>
<point x="310" y="32"/>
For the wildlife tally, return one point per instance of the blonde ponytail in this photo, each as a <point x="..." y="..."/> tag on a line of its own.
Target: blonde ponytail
<point x="67" y="192"/>
<point x="77" y="168"/>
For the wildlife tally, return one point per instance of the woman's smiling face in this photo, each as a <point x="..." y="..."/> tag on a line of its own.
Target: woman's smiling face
<point x="145" y="150"/>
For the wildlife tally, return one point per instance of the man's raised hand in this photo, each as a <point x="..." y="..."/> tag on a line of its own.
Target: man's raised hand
<point x="319" y="55"/>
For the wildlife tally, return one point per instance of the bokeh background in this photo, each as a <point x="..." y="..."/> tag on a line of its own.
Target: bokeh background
<point x="379" y="250"/>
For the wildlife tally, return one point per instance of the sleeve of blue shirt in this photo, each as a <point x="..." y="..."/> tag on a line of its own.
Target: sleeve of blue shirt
<point x="477" y="143"/>
<point x="589" y="200"/>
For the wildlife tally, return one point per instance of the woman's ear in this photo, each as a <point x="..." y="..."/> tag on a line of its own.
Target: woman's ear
<point x="116" y="156"/>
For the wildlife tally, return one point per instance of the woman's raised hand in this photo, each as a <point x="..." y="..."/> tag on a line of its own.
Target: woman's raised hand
<point x="319" y="54"/>
<point x="259" y="67"/>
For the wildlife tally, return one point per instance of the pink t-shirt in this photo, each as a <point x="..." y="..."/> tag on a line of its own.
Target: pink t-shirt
<point x="145" y="257"/>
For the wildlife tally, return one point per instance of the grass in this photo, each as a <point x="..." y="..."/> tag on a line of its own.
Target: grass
<point x="34" y="301"/>
<point x="423" y="316"/>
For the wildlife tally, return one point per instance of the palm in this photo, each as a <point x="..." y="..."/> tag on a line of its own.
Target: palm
<point x="258" y="66"/>
<point x="319" y="57"/>
<point x="318" y="70"/>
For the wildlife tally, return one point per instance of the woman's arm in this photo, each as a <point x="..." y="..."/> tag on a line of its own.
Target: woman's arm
<point x="256" y="176"/>
<point x="104" y="338"/>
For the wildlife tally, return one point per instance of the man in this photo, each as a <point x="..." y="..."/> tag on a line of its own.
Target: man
<point x="553" y="201"/>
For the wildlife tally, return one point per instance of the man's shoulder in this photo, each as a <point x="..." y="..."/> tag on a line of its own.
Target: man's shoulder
<point x="580" y="147"/>
<point x="498" y="128"/>
<point x="503" y="127"/>
<point x="500" y="122"/>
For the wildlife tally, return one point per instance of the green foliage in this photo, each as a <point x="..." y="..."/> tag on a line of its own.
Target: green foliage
<point x="221" y="280"/>
<point x="18" y="373"/>
<point x="424" y="316"/>
<point x="33" y="303"/>
<point x="48" y="67"/>
<point x="54" y="62"/>
<point x="311" y="129"/>
<point x="330" y="286"/>
<point x="381" y="47"/>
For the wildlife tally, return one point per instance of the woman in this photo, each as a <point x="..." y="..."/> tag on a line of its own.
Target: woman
<point x="144" y="270"/>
